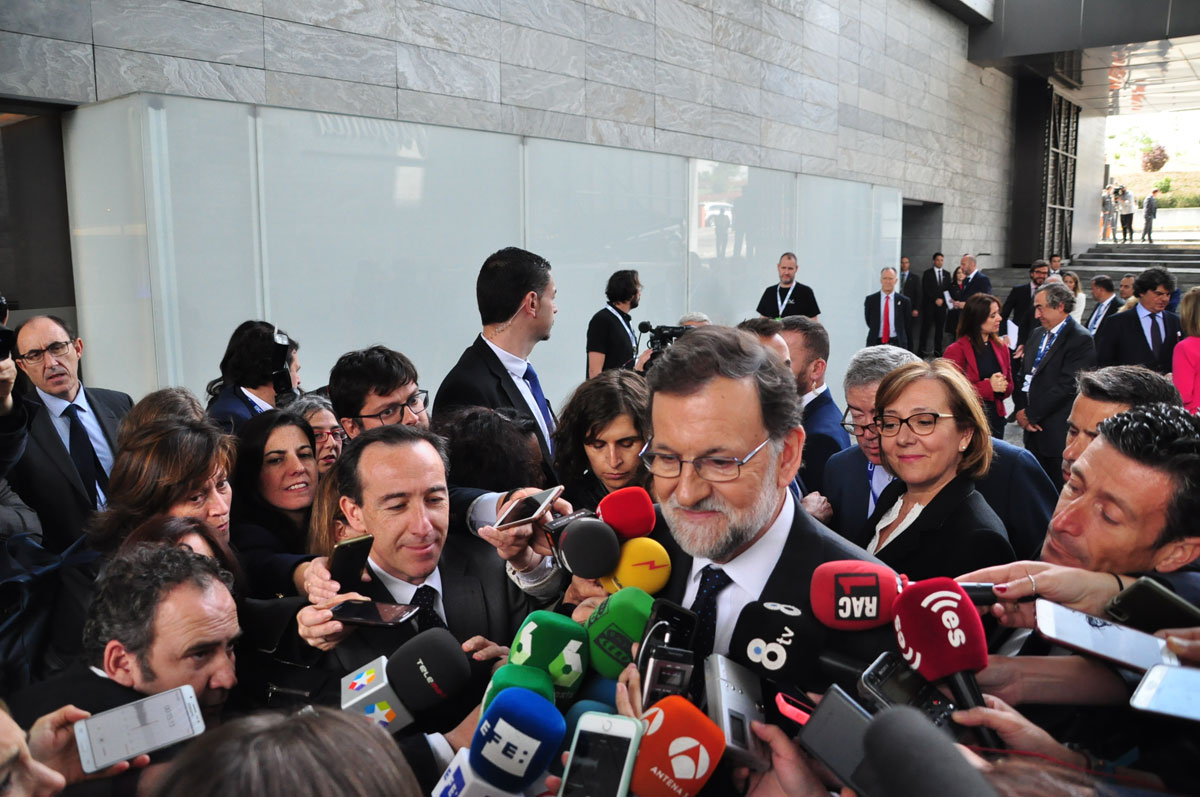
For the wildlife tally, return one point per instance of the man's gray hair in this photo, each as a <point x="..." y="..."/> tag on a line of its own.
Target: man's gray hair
<point x="694" y="318"/>
<point x="870" y="365"/>
<point x="308" y="404"/>
<point x="886" y="269"/>
<point x="1058" y="295"/>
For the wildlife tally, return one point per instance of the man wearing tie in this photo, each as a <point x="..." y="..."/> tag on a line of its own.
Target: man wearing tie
<point x="910" y="286"/>
<point x="974" y="280"/>
<point x="887" y="312"/>
<point x="63" y="474"/>
<point x="934" y="284"/>
<point x="1147" y="334"/>
<point x="1104" y="292"/>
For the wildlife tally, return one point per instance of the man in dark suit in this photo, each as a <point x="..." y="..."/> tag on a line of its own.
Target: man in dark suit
<point x="1018" y="307"/>
<point x="1146" y="334"/>
<point x="733" y="531"/>
<point x="1054" y="355"/>
<point x="1107" y="304"/>
<point x="515" y="292"/>
<point x="63" y="474"/>
<point x="887" y="312"/>
<point x="974" y="280"/>
<point x="1015" y="487"/>
<point x="910" y="286"/>
<point x="934" y="284"/>
<point x="808" y="343"/>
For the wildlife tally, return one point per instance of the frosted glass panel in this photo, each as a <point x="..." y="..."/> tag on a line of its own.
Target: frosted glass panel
<point x="743" y="219"/>
<point x="374" y="232"/>
<point x="593" y="211"/>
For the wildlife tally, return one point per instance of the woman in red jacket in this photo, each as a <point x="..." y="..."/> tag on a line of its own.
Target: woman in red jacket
<point x="982" y="356"/>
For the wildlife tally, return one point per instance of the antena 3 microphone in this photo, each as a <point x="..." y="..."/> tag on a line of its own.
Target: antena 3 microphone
<point x="679" y="750"/>
<point x="853" y="595"/>
<point x="644" y="564"/>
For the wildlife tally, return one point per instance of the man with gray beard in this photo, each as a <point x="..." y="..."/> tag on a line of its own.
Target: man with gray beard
<point x="727" y="441"/>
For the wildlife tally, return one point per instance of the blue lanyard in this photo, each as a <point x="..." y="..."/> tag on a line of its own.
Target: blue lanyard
<point x="1047" y="342"/>
<point x="871" y="483"/>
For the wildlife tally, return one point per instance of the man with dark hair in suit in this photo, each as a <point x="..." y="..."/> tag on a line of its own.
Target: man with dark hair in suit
<point x="63" y="474"/>
<point x="910" y="286"/>
<point x="934" y="284"/>
<point x="1018" y="307"/>
<point x="821" y="418"/>
<point x="515" y="292"/>
<point x="887" y="312"/>
<point x="1104" y="292"/>
<point x="1146" y="334"/>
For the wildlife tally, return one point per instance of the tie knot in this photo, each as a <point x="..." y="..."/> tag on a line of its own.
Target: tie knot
<point x="72" y="411"/>
<point x="714" y="579"/>
<point x="530" y="374"/>
<point x="424" y="596"/>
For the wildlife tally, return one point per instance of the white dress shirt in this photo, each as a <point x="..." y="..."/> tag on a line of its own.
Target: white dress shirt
<point x="1144" y="317"/>
<point x="403" y="592"/>
<point x="1100" y="310"/>
<point x="91" y="424"/>
<point x="749" y="572"/>
<point x="256" y="401"/>
<point x="516" y="369"/>
<point x="807" y="398"/>
<point x="889" y="517"/>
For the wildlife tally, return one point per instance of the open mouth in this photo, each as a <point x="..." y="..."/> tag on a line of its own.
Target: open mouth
<point x="296" y="488"/>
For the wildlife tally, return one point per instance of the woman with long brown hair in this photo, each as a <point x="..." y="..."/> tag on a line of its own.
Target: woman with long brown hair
<point x="983" y="358"/>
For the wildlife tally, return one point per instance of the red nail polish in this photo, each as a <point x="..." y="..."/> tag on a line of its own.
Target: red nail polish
<point x="1001" y="588"/>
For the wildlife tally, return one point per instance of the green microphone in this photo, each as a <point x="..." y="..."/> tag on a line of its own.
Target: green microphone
<point x="614" y="627"/>
<point x="510" y="675"/>
<point x="554" y="643"/>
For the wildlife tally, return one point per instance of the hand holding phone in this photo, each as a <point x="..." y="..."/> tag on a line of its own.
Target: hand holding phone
<point x="600" y="763"/>
<point x="528" y="509"/>
<point x="374" y="613"/>
<point x="348" y="562"/>
<point x="142" y="726"/>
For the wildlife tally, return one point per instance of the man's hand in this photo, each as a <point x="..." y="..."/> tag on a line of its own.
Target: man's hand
<point x="790" y="774"/>
<point x="580" y="589"/>
<point x="584" y="610"/>
<point x="916" y="313"/>
<point x="938" y="302"/>
<point x="818" y="506"/>
<point x="528" y="535"/>
<point x="52" y="742"/>
<point x="1020" y="352"/>
<point x="1074" y="588"/>
<point x="1023" y="422"/>
<point x="8" y="378"/>
<point x="462" y="734"/>
<point x="316" y="625"/>
<point x="314" y="581"/>
<point x="483" y="649"/>
<point x="1184" y="642"/>
<point x="629" y="690"/>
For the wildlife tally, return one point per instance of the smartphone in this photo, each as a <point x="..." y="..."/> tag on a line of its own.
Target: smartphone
<point x="142" y="726"/>
<point x="889" y="681"/>
<point x="835" y="733"/>
<point x="349" y="560"/>
<point x="603" y="750"/>
<point x="672" y="624"/>
<point x="1173" y="691"/>
<point x="1119" y="644"/>
<point x="734" y="701"/>
<point x="373" y="613"/>
<point x="666" y="670"/>
<point x="531" y="508"/>
<point x="1149" y="606"/>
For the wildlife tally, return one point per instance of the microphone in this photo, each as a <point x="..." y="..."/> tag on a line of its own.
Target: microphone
<point x="612" y="629"/>
<point x="587" y="547"/>
<point x="629" y="510"/>
<point x="679" y="750"/>
<point x="853" y="595"/>
<point x="599" y="690"/>
<point x="423" y="672"/>
<point x="516" y="738"/>
<point x="555" y="644"/>
<point x="643" y="563"/>
<point x="645" y="327"/>
<point x="764" y="639"/>
<point x="908" y="756"/>
<point x="512" y="676"/>
<point x="941" y="636"/>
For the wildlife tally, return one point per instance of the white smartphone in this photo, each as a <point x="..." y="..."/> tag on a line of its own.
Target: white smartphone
<point x="602" y="754"/>
<point x="140" y="727"/>
<point x="1174" y="691"/>
<point x="531" y="508"/>
<point x="1119" y="644"/>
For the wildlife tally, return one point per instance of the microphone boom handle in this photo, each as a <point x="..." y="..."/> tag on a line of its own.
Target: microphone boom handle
<point x="967" y="695"/>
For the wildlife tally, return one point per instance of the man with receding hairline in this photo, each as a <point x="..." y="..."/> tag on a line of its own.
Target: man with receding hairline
<point x="789" y="297"/>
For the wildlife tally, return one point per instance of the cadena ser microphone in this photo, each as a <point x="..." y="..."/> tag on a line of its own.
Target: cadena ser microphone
<point x="854" y="595"/>
<point x="679" y="750"/>
<point x="587" y="547"/>
<point x="908" y="756"/>
<point x="629" y="510"/>
<point x="556" y="644"/>
<point x="517" y="736"/>
<point x="769" y="640"/>
<point x="424" y="671"/>
<point x="517" y="676"/>
<point x="941" y="636"/>
<point x="612" y="629"/>
<point x="644" y="563"/>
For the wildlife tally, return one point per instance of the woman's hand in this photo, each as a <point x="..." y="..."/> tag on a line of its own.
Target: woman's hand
<point x="999" y="383"/>
<point x="1017" y="732"/>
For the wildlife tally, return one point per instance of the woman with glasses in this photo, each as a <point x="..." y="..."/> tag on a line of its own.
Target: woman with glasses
<point x="934" y="438"/>
<point x="328" y="433"/>
<point x="982" y="356"/>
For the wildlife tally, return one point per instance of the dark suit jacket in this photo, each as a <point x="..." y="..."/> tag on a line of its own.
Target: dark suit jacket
<point x="231" y="408"/>
<point x="1053" y="389"/>
<point x="45" y="477"/>
<point x="478" y="379"/>
<point x="911" y="287"/>
<point x="1015" y="487"/>
<point x="930" y="290"/>
<point x="1109" y="312"/>
<point x="962" y="353"/>
<point x="1121" y="341"/>
<point x="1018" y="308"/>
<point x="902" y="309"/>
<point x="824" y="437"/>
<point x="956" y="533"/>
<point x="980" y="283"/>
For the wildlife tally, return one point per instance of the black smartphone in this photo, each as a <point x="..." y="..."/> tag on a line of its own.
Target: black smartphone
<point x="1149" y="606"/>
<point x="373" y="613"/>
<point x="671" y="623"/>
<point x="349" y="560"/>
<point x="834" y="734"/>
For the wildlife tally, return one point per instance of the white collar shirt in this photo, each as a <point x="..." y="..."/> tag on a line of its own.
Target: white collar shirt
<point x="516" y="369"/>
<point x="403" y="592"/>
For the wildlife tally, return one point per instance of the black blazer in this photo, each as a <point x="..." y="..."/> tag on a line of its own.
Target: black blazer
<point x="231" y="409"/>
<point x="824" y="437"/>
<point x="930" y="289"/>
<point x="1053" y="388"/>
<point x="911" y="287"/>
<point x="45" y="477"/>
<point x="1018" y="308"/>
<point x="956" y="533"/>
<point x="1121" y="341"/>
<point x="1109" y="311"/>
<point x="980" y="283"/>
<point x="902" y="309"/>
<point x="478" y="379"/>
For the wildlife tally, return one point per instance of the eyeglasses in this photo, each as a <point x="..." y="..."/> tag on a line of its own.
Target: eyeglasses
<point x="337" y="433"/>
<point x="921" y="423"/>
<point x="34" y="356"/>
<point x="394" y="413"/>
<point x="857" y="429"/>
<point x="711" y="469"/>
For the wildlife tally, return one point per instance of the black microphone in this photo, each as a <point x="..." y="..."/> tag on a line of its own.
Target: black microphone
<point x="769" y="640"/>
<point x="645" y="327"/>
<point x="908" y="756"/>
<point x="588" y="547"/>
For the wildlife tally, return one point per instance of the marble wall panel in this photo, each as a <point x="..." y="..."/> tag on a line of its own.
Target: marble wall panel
<point x="537" y="49"/>
<point x="325" y="94"/>
<point x="442" y="72"/>
<point x="46" y="69"/>
<point x="187" y="30"/>
<point x="323" y="52"/>
<point x="121" y="72"/>
<point x="69" y="20"/>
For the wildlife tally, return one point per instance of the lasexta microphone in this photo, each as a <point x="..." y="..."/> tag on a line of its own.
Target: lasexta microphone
<point x="612" y="629"/>
<point x="908" y="756"/>
<point x="769" y="640"/>
<point x="424" y="671"/>
<point x="941" y="636"/>
<point x="643" y="563"/>
<point x="512" y="676"/>
<point x="556" y="644"/>
<point x="679" y="750"/>
<point x="630" y="512"/>
<point x="853" y="595"/>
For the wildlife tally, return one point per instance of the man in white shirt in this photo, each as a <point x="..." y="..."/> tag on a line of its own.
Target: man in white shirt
<point x="1105" y="295"/>
<point x="887" y="312"/>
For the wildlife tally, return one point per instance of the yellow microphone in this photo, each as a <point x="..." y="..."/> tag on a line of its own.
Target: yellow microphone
<point x="643" y="564"/>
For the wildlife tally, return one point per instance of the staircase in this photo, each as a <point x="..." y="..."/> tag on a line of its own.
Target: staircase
<point x="1116" y="260"/>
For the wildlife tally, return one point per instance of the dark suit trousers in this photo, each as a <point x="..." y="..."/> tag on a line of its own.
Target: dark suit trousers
<point x="934" y="318"/>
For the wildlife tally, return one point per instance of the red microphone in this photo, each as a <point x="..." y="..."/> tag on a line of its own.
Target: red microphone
<point x="941" y="636"/>
<point x="853" y="595"/>
<point x="678" y="752"/>
<point x="630" y="511"/>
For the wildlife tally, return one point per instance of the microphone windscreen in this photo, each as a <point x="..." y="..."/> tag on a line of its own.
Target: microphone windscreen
<point x="644" y="564"/>
<point x="428" y="669"/>
<point x="853" y="595"/>
<point x="600" y="690"/>
<point x="517" y="737"/>
<point x="459" y="780"/>
<point x="612" y="629"/>
<point x="577" y="710"/>
<point x="908" y="756"/>
<point x="589" y="548"/>
<point x="939" y="630"/>
<point x="556" y="644"/>
<point x="630" y="511"/>
<point x="514" y="676"/>
<point x="679" y="750"/>
<point x="766" y="641"/>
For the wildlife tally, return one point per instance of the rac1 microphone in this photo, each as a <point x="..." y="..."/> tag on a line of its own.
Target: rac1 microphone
<point x="516" y="739"/>
<point x="853" y="595"/>
<point x="908" y="756"/>
<point x="644" y="564"/>
<point x="424" y="671"/>
<point x="679" y="750"/>
<point x="556" y="644"/>
<point x="941" y="636"/>
<point x="587" y="547"/>
<point x="612" y="629"/>
<point x="630" y="511"/>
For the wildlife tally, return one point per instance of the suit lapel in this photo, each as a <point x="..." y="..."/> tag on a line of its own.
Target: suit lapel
<point x="511" y="392"/>
<point x="462" y="598"/>
<point x="43" y="433"/>
<point x="108" y="420"/>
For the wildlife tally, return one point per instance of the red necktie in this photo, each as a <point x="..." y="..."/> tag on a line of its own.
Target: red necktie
<point x="887" y="319"/>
